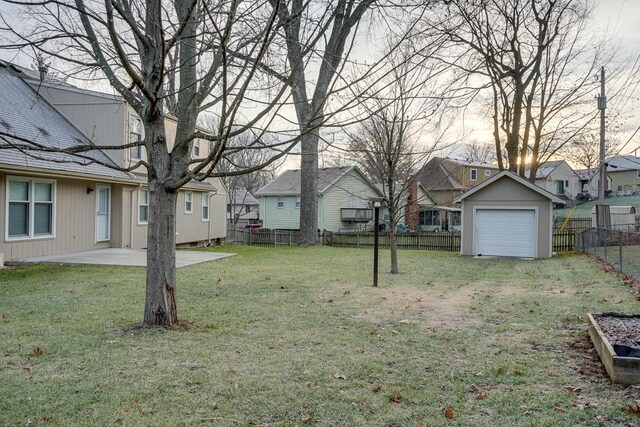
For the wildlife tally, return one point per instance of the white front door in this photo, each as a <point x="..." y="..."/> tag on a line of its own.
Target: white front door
<point x="103" y="212"/>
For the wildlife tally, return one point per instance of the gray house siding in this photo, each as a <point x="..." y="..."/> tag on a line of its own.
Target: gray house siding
<point x="85" y="110"/>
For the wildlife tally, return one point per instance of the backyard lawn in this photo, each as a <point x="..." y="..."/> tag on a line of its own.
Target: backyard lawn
<point x="298" y="336"/>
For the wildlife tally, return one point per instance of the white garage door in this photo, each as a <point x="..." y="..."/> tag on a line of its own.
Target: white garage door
<point x="506" y="232"/>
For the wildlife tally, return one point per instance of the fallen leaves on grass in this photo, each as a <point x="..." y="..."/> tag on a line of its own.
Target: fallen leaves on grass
<point x="633" y="411"/>
<point x="306" y="417"/>
<point x="36" y="352"/>
<point x="377" y="389"/>
<point x="558" y="407"/>
<point x="448" y="412"/>
<point x="572" y="389"/>
<point x="339" y="376"/>
<point x="395" y="398"/>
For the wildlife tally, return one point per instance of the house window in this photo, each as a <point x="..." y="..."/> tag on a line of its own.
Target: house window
<point x="638" y="173"/>
<point x="559" y="188"/>
<point x="430" y="218"/>
<point x="30" y="208"/>
<point x="280" y="202"/>
<point x="228" y="208"/>
<point x="455" y="219"/>
<point x="136" y="135"/>
<point x="487" y="173"/>
<point x="473" y="174"/>
<point x="196" y="148"/>
<point x="205" y="206"/>
<point x="143" y="206"/>
<point x="298" y="202"/>
<point x="247" y="208"/>
<point x="188" y="202"/>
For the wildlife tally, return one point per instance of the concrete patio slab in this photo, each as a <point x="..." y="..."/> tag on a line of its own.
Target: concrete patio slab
<point x="120" y="257"/>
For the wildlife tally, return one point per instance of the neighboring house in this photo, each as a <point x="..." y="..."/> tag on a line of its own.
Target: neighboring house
<point x="624" y="174"/>
<point x="445" y="178"/>
<point x="558" y="178"/>
<point x="507" y="216"/>
<point x="58" y="203"/>
<point x="344" y="195"/>
<point x="589" y="179"/>
<point x="242" y="208"/>
<point x="413" y="199"/>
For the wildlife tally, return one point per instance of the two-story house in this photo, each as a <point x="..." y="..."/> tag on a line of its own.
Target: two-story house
<point x="445" y="178"/>
<point x="344" y="200"/>
<point x="59" y="203"/>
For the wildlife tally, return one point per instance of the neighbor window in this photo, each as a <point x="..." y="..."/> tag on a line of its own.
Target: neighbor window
<point x="196" y="148"/>
<point x="473" y="175"/>
<point x="31" y="207"/>
<point x="638" y="173"/>
<point x="455" y="219"/>
<point x="280" y="202"/>
<point x="487" y="173"/>
<point x="188" y="202"/>
<point x="247" y="208"/>
<point x="143" y="206"/>
<point x="298" y="202"/>
<point x="429" y="218"/>
<point x="205" y="206"/>
<point x="136" y="134"/>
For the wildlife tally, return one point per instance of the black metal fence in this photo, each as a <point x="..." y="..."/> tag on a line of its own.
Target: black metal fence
<point x="618" y="248"/>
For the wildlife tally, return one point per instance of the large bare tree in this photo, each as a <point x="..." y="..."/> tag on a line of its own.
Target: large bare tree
<point x="186" y="57"/>
<point x="533" y="62"/>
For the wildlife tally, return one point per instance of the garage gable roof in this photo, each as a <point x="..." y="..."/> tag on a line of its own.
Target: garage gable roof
<point x="510" y="175"/>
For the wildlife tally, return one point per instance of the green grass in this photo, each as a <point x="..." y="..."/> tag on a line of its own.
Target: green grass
<point x="273" y="334"/>
<point x="584" y="210"/>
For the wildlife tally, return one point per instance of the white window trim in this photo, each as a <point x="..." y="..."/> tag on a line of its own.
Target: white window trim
<point x="298" y="202"/>
<point x="471" y="174"/>
<point x="205" y="199"/>
<point x="278" y="203"/>
<point x="638" y="173"/>
<point x="109" y="215"/>
<point x="140" y="190"/>
<point x="196" y="148"/>
<point x="487" y="173"/>
<point x="188" y="210"/>
<point x="31" y="236"/>
<point x="139" y="147"/>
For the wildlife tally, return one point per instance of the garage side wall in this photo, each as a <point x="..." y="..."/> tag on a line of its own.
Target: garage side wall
<point x="507" y="193"/>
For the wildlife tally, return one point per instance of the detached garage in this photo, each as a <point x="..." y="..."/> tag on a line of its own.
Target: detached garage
<point x="507" y="215"/>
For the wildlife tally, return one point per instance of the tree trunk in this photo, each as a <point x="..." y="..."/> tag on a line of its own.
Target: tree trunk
<point x="160" y="304"/>
<point x="393" y="244"/>
<point x="309" y="189"/>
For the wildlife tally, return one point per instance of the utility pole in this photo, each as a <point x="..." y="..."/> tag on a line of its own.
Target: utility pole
<point x="602" y="106"/>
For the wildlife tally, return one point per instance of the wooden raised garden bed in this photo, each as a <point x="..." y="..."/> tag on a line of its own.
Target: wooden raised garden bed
<point x="621" y="369"/>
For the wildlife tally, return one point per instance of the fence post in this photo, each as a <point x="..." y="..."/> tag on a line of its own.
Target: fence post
<point x="620" y="245"/>
<point x="289" y="237"/>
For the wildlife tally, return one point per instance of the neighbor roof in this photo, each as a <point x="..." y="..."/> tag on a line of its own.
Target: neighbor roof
<point x="586" y="174"/>
<point x="513" y="176"/>
<point x="434" y="175"/>
<point x="241" y="197"/>
<point x="621" y="163"/>
<point x="27" y="116"/>
<point x="288" y="182"/>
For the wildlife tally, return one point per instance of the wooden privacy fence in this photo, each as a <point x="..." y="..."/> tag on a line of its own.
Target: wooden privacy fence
<point x="441" y="241"/>
<point x="580" y="224"/>
<point x="563" y="241"/>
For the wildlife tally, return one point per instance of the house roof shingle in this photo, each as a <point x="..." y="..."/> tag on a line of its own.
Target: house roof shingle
<point x="622" y="163"/>
<point x="25" y="115"/>
<point x="288" y="182"/>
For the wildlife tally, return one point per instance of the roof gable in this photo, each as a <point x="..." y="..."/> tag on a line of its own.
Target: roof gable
<point x="288" y="182"/>
<point x="24" y="114"/>
<point x="509" y="175"/>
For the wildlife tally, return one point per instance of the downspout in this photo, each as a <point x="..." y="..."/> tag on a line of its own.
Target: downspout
<point x="210" y="195"/>
<point x="133" y="214"/>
